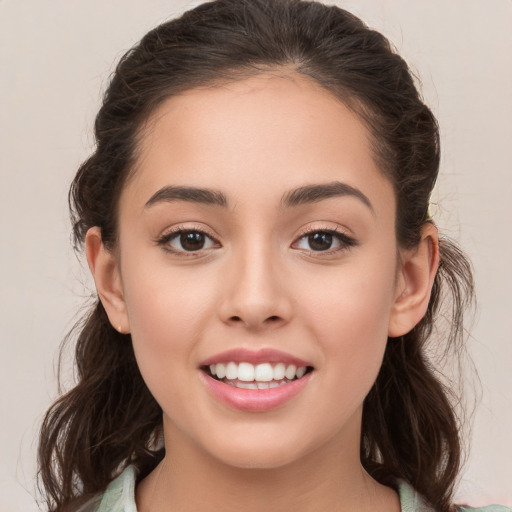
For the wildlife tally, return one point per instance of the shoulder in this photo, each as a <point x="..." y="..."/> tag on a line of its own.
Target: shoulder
<point x="119" y="496"/>
<point x="412" y="501"/>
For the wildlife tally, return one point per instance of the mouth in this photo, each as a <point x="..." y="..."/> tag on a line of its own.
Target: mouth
<point x="265" y="375"/>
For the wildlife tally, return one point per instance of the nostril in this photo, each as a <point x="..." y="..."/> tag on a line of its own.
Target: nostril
<point x="274" y="319"/>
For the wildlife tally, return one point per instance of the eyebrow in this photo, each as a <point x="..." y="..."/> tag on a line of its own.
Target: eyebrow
<point x="303" y="195"/>
<point x="315" y="193"/>
<point x="192" y="194"/>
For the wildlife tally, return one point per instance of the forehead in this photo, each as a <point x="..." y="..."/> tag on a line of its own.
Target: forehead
<point x="283" y="129"/>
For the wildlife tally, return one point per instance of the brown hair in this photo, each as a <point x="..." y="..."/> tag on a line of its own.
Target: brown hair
<point x="109" y="419"/>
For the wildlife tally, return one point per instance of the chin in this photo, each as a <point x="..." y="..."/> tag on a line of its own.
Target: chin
<point x="272" y="451"/>
<point x="260" y="458"/>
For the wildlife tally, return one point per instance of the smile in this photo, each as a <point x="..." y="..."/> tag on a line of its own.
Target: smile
<point x="261" y="376"/>
<point x="255" y="381"/>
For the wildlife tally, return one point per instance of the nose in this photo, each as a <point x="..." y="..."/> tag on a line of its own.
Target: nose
<point x="254" y="293"/>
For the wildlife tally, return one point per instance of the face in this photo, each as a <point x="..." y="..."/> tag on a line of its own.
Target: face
<point x="257" y="229"/>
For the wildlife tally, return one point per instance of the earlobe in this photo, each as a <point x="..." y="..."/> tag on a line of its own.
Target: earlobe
<point x="418" y="268"/>
<point x="104" y="268"/>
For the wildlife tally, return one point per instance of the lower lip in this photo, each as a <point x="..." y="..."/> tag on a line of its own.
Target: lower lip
<point x="254" y="400"/>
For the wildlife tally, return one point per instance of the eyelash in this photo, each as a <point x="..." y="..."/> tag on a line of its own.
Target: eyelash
<point x="345" y="241"/>
<point x="181" y="230"/>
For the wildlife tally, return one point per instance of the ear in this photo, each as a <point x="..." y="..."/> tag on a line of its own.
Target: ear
<point x="418" y="268"/>
<point x="104" y="268"/>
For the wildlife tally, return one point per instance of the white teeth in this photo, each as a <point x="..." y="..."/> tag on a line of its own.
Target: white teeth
<point x="255" y="385"/>
<point x="263" y="374"/>
<point x="245" y="372"/>
<point x="231" y="371"/>
<point x="279" y="371"/>
<point x="290" y="371"/>
<point x="220" y="370"/>
<point x="246" y="385"/>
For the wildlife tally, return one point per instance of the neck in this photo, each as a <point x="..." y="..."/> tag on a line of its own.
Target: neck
<point x="331" y="478"/>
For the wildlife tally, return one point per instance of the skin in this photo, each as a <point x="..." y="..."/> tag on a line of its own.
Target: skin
<point x="258" y="284"/>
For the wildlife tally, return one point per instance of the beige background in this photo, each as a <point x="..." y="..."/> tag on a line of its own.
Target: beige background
<point x="55" y="57"/>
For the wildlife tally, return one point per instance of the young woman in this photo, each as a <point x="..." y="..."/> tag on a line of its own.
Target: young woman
<point x="256" y="220"/>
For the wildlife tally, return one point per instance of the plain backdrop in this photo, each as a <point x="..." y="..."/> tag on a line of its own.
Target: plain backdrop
<point x="55" y="59"/>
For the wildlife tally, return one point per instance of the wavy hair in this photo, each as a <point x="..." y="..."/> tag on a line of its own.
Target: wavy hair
<point x="109" y="419"/>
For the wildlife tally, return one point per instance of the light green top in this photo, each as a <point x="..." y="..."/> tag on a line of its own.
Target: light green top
<point x="120" y="497"/>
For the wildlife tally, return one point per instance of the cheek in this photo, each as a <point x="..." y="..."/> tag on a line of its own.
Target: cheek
<point x="352" y="301"/>
<point x="349" y="314"/>
<point x="167" y="303"/>
<point x="167" y="310"/>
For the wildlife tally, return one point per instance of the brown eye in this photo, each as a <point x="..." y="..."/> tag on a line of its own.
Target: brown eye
<point x="192" y="241"/>
<point x="323" y="241"/>
<point x="187" y="241"/>
<point x="320" y="241"/>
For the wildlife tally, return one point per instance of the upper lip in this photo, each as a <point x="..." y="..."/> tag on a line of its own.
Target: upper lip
<point x="244" y="355"/>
